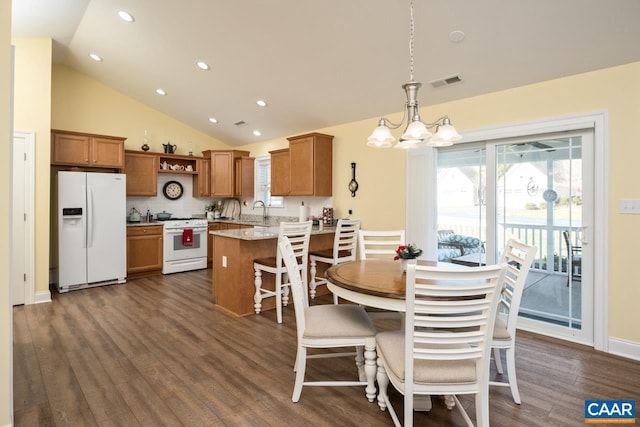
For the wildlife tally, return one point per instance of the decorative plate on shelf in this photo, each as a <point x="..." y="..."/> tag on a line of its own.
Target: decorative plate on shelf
<point x="172" y="190"/>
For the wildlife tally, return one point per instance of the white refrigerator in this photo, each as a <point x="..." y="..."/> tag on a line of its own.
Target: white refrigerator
<point x="92" y="233"/>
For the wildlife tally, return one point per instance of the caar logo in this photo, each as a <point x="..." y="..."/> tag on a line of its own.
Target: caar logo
<point x="610" y="411"/>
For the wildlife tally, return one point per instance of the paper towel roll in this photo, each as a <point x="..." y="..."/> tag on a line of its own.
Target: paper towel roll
<point x="304" y="213"/>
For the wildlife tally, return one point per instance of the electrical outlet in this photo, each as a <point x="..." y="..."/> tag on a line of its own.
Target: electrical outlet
<point x="224" y="261"/>
<point x="350" y="211"/>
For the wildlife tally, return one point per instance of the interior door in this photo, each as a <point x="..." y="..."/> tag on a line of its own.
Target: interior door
<point x="18" y="222"/>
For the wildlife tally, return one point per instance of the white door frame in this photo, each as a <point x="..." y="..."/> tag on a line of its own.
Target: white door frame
<point x="26" y="261"/>
<point x="421" y="221"/>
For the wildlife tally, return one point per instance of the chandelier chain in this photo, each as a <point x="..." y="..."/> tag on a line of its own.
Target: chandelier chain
<point x="411" y="30"/>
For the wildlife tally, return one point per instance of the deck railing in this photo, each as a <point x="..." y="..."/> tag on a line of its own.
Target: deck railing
<point x="552" y="249"/>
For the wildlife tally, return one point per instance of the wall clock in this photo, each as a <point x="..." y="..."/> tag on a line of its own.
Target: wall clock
<point x="172" y="190"/>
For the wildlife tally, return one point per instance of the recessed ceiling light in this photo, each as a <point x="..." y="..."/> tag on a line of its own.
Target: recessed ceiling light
<point x="203" y="65"/>
<point x="126" y="16"/>
<point x="213" y="120"/>
<point x="457" y="36"/>
<point x="95" y="57"/>
<point x="261" y="103"/>
<point x="257" y="132"/>
<point x="161" y="92"/>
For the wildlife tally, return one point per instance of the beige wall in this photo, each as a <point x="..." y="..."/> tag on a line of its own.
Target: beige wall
<point x="380" y="201"/>
<point x="6" y="136"/>
<point x="85" y="105"/>
<point x="32" y="112"/>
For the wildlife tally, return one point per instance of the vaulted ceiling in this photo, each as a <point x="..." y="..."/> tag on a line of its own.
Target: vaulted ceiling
<point x="323" y="63"/>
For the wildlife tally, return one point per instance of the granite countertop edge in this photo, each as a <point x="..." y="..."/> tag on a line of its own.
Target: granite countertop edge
<point x="261" y="233"/>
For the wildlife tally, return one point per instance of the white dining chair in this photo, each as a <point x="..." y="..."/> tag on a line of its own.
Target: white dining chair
<point x="518" y="258"/>
<point x="329" y="326"/>
<point x="299" y="234"/>
<point x="445" y="347"/>
<point x="343" y="250"/>
<point x="379" y="244"/>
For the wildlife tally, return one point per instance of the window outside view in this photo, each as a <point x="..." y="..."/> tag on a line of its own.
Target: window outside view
<point x="538" y="196"/>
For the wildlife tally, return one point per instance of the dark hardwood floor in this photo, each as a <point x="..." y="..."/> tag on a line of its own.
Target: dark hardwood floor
<point x="157" y="352"/>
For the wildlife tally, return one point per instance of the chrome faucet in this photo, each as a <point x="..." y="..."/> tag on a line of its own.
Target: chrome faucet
<point x="264" y="208"/>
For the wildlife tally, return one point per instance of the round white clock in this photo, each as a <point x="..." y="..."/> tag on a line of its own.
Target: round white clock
<point x="172" y="190"/>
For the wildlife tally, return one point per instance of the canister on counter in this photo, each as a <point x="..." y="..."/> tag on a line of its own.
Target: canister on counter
<point x="327" y="216"/>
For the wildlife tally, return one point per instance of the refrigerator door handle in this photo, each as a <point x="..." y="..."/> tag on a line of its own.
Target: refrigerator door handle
<point x="90" y="221"/>
<point x="85" y="217"/>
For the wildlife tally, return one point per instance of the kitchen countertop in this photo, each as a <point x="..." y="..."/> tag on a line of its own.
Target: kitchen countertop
<point x="262" y="233"/>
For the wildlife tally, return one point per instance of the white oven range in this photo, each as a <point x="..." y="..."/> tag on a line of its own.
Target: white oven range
<point x="185" y="245"/>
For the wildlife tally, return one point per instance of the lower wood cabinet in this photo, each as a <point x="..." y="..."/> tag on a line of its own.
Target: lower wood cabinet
<point x="144" y="250"/>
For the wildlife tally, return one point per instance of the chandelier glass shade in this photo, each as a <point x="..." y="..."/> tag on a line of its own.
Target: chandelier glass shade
<point x="416" y="132"/>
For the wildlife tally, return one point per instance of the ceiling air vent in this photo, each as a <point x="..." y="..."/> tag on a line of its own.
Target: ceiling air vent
<point x="240" y="123"/>
<point x="446" y="81"/>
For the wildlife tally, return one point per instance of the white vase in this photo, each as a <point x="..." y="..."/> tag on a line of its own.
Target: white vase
<point x="406" y="262"/>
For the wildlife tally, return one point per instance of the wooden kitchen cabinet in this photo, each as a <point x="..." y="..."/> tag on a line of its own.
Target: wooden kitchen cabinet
<point x="144" y="250"/>
<point x="142" y="173"/>
<point x="85" y="149"/>
<point x="223" y="171"/>
<point x="310" y="160"/>
<point x="202" y="180"/>
<point x="244" y="171"/>
<point x="214" y="226"/>
<point x="280" y="172"/>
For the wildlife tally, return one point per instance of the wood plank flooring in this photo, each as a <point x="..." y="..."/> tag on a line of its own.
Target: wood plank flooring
<point x="156" y="352"/>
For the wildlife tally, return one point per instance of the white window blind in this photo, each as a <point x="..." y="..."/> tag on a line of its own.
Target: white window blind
<point x="263" y="183"/>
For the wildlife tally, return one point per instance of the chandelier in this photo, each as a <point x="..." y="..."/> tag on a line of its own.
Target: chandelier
<point x="417" y="132"/>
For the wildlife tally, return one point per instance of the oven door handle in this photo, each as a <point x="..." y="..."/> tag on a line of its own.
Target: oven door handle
<point x="179" y="231"/>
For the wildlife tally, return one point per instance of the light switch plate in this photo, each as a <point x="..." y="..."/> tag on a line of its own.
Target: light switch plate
<point x="630" y="206"/>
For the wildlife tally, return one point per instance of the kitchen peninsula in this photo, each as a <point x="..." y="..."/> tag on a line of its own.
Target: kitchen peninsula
<point x="233" y="274"/>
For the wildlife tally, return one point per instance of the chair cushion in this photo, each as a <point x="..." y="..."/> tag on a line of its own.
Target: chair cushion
<point x="500" y="328"/>
<point x="328" y="253"/>
<point x="391" y="345"/>
<point x="466" y="241"/>
<point x="337" y="321"/>
<point x="448" y="253"/>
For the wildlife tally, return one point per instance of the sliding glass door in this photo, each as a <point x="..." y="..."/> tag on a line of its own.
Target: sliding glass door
<point x="534" y="190"/>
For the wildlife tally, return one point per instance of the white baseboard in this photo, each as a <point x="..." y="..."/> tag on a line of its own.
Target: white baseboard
<point x="42" y="296"/>
<point x="624" y="348"/>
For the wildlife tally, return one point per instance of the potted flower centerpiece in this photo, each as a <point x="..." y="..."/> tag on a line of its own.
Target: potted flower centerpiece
<point x="407" y="252"/>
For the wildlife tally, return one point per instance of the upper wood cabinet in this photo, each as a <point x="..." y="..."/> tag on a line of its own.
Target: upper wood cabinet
<point x="280" y="172"/>
<point x="202" y="181"/>
<point x="310" y="165"/>
<point x="142" y="173"/>
<point x="244" y="170"/>
<point x="84" y="149"/>
<point x="223" y="171"/>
